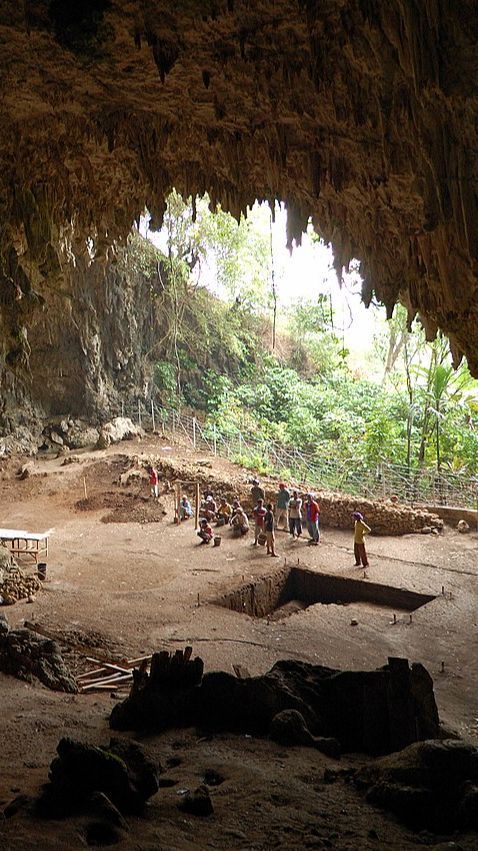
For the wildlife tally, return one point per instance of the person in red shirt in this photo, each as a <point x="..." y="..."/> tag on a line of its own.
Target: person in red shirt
<point x="259" y="517"/>
<point x="154" y="481"/>
<point x="205" y="532"/>
<point x="312" y="514"/>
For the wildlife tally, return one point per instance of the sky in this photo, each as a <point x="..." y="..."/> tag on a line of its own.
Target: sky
<point x="305" y="272"/>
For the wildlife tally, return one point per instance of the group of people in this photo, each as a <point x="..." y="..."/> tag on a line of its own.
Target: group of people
<point x="292" y="511"/>
<point x="224" y="514"/>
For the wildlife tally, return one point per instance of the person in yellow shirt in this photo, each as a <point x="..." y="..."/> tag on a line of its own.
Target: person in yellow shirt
<point x="360" y="529"/>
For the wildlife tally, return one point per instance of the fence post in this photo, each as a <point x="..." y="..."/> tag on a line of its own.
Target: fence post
<point x="214" y="437"/>
<point x="139" y="412"/>
<point x="122" y="408"/>
<point x="173" y="420"/>
<point x="240" y="444"/>
<point x="194" y="432"/>
<point x="152" y="415"/>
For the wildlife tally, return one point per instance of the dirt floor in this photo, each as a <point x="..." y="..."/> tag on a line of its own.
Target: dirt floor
<point x="122" y="578"/>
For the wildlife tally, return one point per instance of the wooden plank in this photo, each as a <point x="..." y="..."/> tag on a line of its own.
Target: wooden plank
<point x="113" y="681"/>
<point x="103" y="679"/>
<point x="104" y="686"/>
<point x="137" y="661"/>
<point x="108" y="665"/>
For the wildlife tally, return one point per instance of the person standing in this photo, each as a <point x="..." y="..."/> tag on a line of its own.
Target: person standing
<point x="283" y="500"/>
<point x="257" y="492"/>
<point x="360" y="529"/>
<point x="295" y="515"/>
<point x="312" y="514"/>
<point x="269" y="530"/>
<point x="153" y="481"/>
<point x="259" y="516"/>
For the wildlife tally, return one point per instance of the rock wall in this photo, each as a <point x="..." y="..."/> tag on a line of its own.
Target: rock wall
<point x="86" y="349"/>
<point x="358" y="113"/>
<point x="383" y="517"/>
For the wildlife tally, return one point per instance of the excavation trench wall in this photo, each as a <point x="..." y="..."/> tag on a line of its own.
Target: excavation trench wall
<point x="266" y="595"/>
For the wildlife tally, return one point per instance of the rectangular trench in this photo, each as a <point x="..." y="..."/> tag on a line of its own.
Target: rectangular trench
<point x="266" y="595"/>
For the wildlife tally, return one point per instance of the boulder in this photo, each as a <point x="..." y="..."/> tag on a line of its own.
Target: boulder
<point x="430" y="785"/>
<point x="122" y="773"/>
<point x="197" y="803"/>
<point x="121" y="428"/>
<point x="26" y="470"/>
<point x="289" y="728"/>
<point x="30" y="657"/>
<point x="81" y="435"/>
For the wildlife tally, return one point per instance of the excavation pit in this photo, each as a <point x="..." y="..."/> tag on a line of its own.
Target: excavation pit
<point x="292" y="589"/>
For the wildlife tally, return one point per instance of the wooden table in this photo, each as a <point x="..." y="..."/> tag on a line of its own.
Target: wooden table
<point x="24" y="544"/>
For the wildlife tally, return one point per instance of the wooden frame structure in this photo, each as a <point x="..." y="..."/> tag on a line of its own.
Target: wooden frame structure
<point x="24" y="544"/>
<point x="178" y="490"/>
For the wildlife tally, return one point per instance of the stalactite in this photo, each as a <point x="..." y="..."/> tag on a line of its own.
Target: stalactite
<point x="373" y="134"/>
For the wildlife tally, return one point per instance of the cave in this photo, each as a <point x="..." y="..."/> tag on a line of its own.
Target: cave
<point x="360" y="116"/>
<point x="296" y="588"/>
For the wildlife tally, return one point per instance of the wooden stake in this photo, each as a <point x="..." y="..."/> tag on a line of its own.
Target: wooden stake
<point x="84" y="487"/>
<point x="177" y="502"/>
<point x="196" y="507"/>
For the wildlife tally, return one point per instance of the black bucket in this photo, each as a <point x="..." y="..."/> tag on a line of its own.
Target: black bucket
<point x="41" y="570"/>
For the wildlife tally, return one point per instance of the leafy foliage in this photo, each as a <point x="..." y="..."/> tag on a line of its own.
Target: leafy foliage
<point x="411" y="408"/>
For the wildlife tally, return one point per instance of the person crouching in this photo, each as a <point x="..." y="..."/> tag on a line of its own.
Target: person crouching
<point x="239" y="523"/>
<point x="205" y="531"/>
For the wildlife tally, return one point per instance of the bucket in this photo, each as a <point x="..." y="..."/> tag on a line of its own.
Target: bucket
<point x="262" y="539"/>
<point x="41" y="570"/>
<point x="217" y="540"/>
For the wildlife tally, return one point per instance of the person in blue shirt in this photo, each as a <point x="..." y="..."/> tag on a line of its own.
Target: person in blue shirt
<point x="185" y="510"/>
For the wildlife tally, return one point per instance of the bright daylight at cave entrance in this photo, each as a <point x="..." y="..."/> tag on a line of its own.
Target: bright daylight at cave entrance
<point x="239" y="424"/>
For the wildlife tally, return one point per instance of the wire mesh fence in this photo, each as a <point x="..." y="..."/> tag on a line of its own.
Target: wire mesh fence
<point x="414" y="485"/>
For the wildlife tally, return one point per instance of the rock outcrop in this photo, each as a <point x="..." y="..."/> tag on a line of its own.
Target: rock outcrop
<point x="28" y="656"/>
<point x="371" y="711"/>
<point x="88" y="778"/>
<point x="357" y="113"/>
<point x="430" y="785"/>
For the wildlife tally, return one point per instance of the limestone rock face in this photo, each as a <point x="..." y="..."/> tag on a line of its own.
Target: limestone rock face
<point x="357" y="113"/>
<point x="121" y="428"/>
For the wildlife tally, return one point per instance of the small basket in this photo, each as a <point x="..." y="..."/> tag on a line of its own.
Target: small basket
<point x="217" y="540"/>
<point x="41" y="570"/>
<point x="262" y="538"/>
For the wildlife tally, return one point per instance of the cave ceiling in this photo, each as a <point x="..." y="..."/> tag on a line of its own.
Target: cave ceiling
<point x="361" y="114"/>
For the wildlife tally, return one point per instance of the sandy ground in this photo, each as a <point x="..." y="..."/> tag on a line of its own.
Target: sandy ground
<point x="132" y="588"/>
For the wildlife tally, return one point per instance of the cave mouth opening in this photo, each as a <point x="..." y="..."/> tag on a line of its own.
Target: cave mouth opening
<point x="292" y="589"/>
